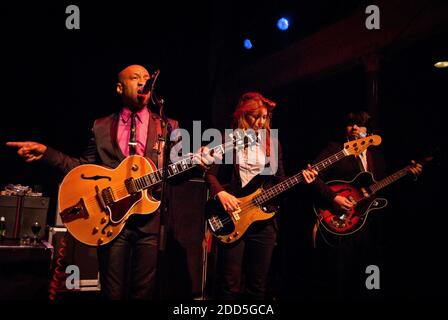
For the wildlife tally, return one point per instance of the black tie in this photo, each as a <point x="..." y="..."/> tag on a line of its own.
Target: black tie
<point x="132" y="140"/>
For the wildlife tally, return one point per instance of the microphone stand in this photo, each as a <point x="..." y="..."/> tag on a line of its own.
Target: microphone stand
<point x="166" y="133"/>
<point x="164" y="212"/>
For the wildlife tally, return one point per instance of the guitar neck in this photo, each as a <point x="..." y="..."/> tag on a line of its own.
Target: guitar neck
<point x="290" y="182"/>
<point x="156" y="177"/>
<point x="397" y="175"/>
<point x="388" y="180"/>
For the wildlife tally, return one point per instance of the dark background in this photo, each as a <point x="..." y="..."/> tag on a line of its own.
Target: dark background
<point x="55" y="82"/>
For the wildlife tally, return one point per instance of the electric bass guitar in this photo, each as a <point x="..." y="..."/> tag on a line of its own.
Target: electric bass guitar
<point x="95" y="202"/>
<point x="229" y="227"/>
<point x="361" y="191"/>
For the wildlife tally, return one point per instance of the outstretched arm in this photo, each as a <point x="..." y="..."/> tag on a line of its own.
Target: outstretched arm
<point x="33" y="151"/>
<point x="29" y="150"/>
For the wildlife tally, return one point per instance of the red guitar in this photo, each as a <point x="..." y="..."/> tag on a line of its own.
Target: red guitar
<point x="361" y="191"/>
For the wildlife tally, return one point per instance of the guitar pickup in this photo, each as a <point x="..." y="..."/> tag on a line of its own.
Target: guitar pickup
<point x="365" y="193"/>
<point x="235" y="215"/>
<point x="215" y="223"/>
<point x="105" y="196"/>
<point x="130" y="185"/>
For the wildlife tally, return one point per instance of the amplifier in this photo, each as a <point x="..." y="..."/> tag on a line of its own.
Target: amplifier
<point x="69" y="251"/>
<point x="24" y="270"/>
<point x="21" y="212"/>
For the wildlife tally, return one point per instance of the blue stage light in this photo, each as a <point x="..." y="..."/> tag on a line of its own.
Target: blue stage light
<point x="283" y="24"/>
<point x="247" y="44"/>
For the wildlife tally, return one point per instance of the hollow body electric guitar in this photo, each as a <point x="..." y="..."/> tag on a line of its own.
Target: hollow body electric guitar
<point x="229" y="227"/>
<point x="95" y="202"/>
<point x="361" y="191"/>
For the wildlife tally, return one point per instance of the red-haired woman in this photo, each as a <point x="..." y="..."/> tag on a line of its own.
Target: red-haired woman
<point x="255" y="247"/>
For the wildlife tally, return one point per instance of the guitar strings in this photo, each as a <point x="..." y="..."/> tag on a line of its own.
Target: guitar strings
<point x="248" y="204"/>
<point x="117" y="189"/>
<point x="120" y="188"/>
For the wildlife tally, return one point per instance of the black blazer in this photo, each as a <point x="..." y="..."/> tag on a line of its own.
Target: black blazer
<point x="103" y="149"/>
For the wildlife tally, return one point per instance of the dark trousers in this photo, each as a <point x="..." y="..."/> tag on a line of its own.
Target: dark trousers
<point x="128" y="266"/>
<point x="244" y="266"/>
<point x="340" y="269"/>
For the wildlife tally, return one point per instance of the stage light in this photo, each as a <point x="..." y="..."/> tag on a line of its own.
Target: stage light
<point x="247" y="44"/>
<point x="441" y="64"/>
<point x="283" y="24"/>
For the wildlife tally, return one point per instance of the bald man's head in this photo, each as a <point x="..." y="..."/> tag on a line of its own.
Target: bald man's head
<point x="131" y="81"/>
<point x="135" y="68"/>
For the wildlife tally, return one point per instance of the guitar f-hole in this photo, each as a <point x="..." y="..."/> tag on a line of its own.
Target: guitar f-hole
<point x="84" y="177"/>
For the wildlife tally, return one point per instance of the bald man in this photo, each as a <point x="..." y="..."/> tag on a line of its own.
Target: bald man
<point x="128" y="263"/>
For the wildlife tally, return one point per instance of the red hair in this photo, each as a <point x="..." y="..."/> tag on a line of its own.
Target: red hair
<point x="251" y="103"/>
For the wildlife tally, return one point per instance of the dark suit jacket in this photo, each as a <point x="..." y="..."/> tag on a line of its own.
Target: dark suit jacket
<point x="346" y="168"/>
<point x="103" y="149"/>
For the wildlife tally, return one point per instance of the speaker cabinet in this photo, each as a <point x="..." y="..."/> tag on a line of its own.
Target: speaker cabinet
<point x="10" y="209"/>
<point x="24" y="270"/>
<point x="69" y="251"/>
<point x="21" y="212"/>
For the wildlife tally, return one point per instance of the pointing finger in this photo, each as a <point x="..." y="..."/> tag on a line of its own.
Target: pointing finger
<point x="16" y="144"/>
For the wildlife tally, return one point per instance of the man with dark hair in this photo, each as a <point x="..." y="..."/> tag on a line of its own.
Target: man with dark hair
<point x="342" y="260"/>
<point x="357" y="125"/>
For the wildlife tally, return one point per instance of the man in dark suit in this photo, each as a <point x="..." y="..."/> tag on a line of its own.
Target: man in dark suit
<point x="341" y="261"/>
<point x="357" y="125"/>
<point x="127" y="264"/>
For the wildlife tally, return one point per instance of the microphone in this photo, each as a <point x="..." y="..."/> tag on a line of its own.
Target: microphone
<point x="363" y="134"/>
<point x="149" y="85"/>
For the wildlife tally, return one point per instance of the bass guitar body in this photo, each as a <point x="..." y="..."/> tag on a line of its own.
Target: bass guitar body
<point x="229" y="227"/>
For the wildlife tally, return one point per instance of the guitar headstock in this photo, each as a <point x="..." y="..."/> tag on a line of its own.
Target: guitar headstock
<point x="356" y="147"/>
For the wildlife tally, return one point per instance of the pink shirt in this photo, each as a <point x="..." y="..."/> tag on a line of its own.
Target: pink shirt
<point x="124" y="130"/>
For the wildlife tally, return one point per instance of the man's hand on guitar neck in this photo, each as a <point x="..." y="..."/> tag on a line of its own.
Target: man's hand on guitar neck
<point x="203" y="158"/>
<point x="415" y="168"/>
<point x="28" y="150"/>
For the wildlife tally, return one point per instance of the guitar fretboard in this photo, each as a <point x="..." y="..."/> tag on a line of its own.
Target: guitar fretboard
<point x="183" y="165"/>
<point x="290" y="182"/>
<point x="388" y="180"/>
